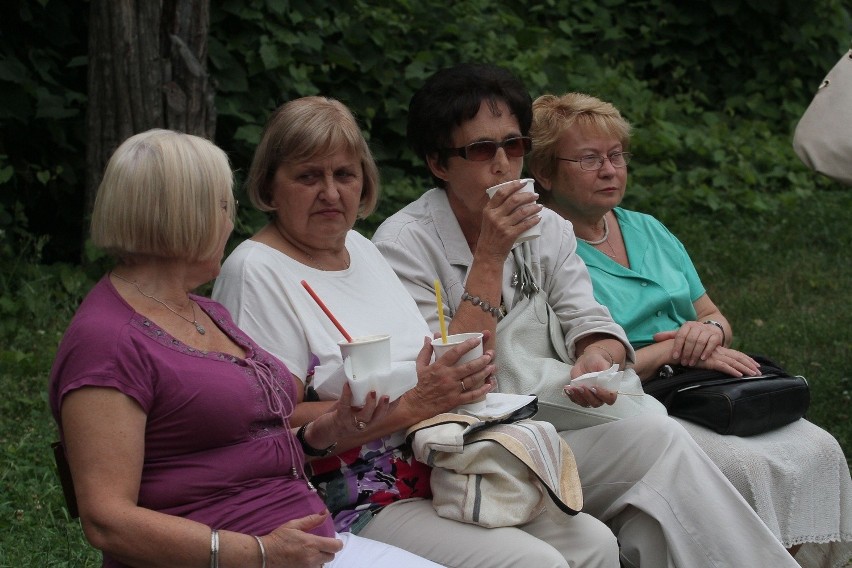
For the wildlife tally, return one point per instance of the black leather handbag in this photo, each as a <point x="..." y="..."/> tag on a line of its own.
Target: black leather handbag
<point x="739" y="406"/>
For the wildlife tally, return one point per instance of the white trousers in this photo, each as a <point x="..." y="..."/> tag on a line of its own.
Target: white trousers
<point x="666" y="502"/>
<point x="578" y="541"/>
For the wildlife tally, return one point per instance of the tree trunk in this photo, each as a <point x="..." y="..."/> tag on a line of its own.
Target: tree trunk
<point x="147" y="69"/>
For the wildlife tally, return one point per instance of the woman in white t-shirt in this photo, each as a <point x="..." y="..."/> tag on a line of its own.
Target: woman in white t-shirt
<point x="314" y="174"/>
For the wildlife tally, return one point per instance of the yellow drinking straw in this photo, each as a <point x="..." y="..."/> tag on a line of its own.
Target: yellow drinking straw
<point x="440" y="311"/>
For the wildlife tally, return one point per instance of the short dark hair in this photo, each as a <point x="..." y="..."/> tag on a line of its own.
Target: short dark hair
<point x="453" y="96"/>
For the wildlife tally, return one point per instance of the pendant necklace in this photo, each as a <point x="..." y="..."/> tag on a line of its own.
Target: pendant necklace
<point x="198" y="327"/>
<point x="602" y="240"/>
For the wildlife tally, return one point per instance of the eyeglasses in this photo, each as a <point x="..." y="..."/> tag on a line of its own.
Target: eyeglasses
<point x="594" y="163"/>
<point x="487" y="149"/>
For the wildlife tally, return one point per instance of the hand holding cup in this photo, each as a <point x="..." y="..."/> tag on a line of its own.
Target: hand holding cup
<point x="440" y="347"/>
<point x="364" y="359"/>
<point x="528" y="187"/>
<point x="439" y="386"/>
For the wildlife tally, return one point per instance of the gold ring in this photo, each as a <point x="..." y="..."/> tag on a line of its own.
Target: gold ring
<point x="464" y="388"/>
<point x="359" y="424"/>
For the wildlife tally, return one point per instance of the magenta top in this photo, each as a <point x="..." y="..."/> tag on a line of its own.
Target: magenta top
<point x="218" y="448"/>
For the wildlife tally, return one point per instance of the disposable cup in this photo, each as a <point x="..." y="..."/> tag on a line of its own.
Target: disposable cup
<point x="529" y="186"/>
<point x="440" y="348"/>
<point x="364" y="358"/>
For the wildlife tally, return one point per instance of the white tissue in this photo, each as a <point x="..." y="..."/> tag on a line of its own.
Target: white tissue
<point x="394" y="383"/>
<point x="609" y="379"/>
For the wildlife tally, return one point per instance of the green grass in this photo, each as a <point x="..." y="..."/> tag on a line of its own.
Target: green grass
<point x="782" y="279"/>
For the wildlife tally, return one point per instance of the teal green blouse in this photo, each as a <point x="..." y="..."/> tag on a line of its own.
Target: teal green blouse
<point x="658" y="290"/>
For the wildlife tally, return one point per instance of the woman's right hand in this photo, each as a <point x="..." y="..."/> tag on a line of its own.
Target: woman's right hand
<point x="508" y="214"/>
<point x="693" y="342"/>
<point x="291" y="546"/>
<point x="439" y="385"/>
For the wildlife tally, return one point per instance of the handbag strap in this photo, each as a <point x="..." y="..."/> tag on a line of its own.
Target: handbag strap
<point x="473" y="423"/>
<point x="523" y="279"/>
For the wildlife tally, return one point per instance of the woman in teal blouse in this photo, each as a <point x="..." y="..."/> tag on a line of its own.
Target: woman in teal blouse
<point x="795" y="477"/>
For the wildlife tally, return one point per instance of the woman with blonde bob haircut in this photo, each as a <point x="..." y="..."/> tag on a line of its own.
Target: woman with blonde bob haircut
<point x="795" y="477"/>
<point x="175" y="423"/>
<point x="310" y="127"/>
<point x="159" y="197"/>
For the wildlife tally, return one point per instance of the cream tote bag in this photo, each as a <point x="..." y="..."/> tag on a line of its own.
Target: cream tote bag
<point x="823" y="137"/>
<point x="531" y="358"/>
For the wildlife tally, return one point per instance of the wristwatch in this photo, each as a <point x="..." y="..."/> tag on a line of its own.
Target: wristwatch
<point x="720" y="326"/>
<point x="309" y="449"/>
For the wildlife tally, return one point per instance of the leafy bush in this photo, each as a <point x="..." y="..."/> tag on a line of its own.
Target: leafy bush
<point x="692" y="77"/>
<point x="714" y="88"/>
<point x="42" y="124"/>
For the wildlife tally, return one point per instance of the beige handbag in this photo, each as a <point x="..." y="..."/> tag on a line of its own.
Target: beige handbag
<point x="823" y="137"/>
<point x="497" y="474"/>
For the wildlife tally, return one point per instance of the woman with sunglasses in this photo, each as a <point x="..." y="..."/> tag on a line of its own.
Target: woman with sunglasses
<point x="667" y="503"/>
<point x="795" y="477"/>
<point x="473" y="132"/>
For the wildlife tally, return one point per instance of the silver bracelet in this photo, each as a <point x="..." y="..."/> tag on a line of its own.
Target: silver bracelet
<point x="483" y="305"/>
<point x="214" y="548"/>
<point x="262" y="551"/>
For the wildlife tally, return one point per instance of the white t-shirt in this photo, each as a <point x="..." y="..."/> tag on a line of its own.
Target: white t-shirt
<point x="262" y="289"/>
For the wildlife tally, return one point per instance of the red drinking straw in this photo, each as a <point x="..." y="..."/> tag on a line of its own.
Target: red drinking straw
<point x="327" y="312"/>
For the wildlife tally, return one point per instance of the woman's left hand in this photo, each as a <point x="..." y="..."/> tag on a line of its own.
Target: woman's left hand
<point x="351" y="420"/>
<point x="592" y="360"/>
<point x="587" y="396"/>
<point x="693" y="342"/>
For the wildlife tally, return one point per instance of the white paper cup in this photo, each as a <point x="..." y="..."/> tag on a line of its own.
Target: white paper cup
<point x="452" y="340"/>
<point x="529" y="186"/>
<point x="363" y="359"/>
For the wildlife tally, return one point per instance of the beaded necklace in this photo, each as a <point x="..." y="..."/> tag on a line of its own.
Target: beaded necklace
<point x="602" y="240"/>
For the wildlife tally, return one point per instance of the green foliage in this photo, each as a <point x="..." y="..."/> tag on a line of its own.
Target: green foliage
<point x="713" y="87"/>
<point x="42" y="123"/>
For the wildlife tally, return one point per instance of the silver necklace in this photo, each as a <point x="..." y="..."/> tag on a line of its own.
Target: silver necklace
<point x="198" y="327"/>
<point x="314" y="261"/>
<point x="602" y="240"/>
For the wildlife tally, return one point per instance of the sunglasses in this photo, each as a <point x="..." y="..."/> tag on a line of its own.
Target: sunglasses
<point x="487" y="149"/>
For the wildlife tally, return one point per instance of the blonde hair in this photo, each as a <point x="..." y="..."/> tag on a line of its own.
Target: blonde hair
<point x="553" y="115"/>
<point x="301" y="130"/>
<point x="162" y="195"/>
